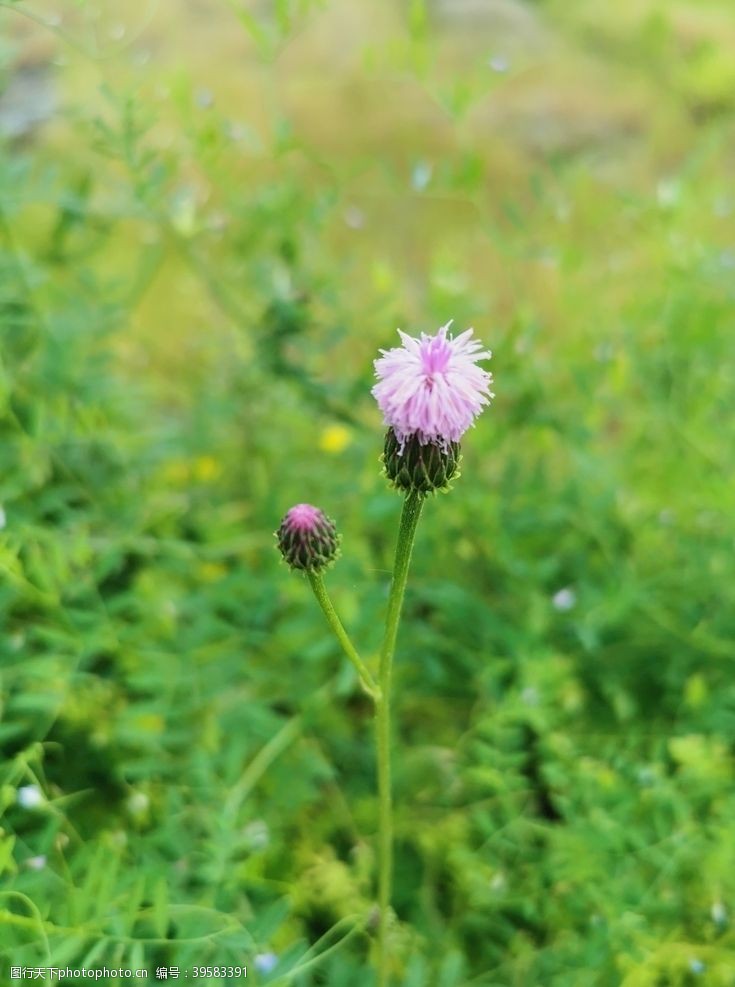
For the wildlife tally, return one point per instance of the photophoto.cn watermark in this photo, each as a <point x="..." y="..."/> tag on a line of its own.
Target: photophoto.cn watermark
<point x="57" y="973"/>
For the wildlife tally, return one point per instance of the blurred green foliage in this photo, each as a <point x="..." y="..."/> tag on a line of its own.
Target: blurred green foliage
<point x="233" y="208"/>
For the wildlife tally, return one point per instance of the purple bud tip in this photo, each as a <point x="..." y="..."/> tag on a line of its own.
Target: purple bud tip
<point x="307" y="538"/>
<point x="303" y="517"/>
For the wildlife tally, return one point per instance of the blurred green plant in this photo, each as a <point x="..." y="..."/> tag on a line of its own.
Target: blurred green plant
<point x="198" y="258"/>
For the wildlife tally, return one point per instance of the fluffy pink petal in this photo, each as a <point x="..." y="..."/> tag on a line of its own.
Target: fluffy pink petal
<point x="432" y="387"/>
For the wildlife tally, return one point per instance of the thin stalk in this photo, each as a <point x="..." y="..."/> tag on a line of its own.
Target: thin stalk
<point x="404" y="546"/>
<point x="320" y="592"/>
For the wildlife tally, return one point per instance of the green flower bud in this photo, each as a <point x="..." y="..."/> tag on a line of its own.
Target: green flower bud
<point x="307" y="538"/>
<point x="423" y="467"/>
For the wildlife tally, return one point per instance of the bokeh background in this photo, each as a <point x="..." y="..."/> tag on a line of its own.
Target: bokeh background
<point x="212" y="214"/>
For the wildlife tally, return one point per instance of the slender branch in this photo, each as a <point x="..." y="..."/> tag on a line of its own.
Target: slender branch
<point x="367" y="681"/>
<point x="409" y="519"/>
<point x="93" y="54"/>
<point x="262" y="761"/>
<point x="404" y="546"/>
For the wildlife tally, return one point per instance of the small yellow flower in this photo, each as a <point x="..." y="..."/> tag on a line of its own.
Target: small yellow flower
<point x="206" y="469"/>
<point x="335" y="439"/>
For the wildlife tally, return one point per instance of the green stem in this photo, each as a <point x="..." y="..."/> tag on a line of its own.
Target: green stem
<point x="320" y="592"/>
<point x="404" y="546"/>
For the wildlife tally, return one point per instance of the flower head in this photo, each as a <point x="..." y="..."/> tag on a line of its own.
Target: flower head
<point x="307" y="538"/>
<point x="431" y="387"/>
<point x="430" y="391"/>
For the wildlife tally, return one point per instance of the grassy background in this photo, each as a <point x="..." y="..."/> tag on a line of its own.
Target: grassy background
<point x="231" y="208"/>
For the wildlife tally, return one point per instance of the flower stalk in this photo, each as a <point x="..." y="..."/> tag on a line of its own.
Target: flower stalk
<point x="404" y="546"/>
<point x="367" y="682"/>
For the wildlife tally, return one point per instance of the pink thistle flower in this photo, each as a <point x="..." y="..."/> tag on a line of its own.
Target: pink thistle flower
<point x="307" y="538"/>
<point x="431" y="387"/>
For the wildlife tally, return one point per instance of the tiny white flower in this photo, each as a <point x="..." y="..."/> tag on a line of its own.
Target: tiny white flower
<point x="499" y="63"/>
<point x="257" y="834"/>
<point x="354" y="217"/>
<point x="265" y="962"/>
<point x="138" y="804"/>
<point x="421" y="175"/>
<point x="204" y="98"/>
<point x="564" y="599"/>
<point x="718" y="913"/>
<point x="36" y="863"/>
<point x="499" y="882"/>
<point x="668" y="194"/>
<point x="29" y="796"/>
<point x="530" y="695"/>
